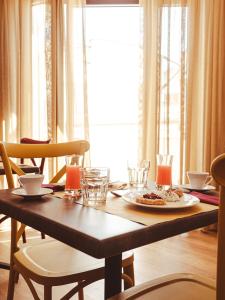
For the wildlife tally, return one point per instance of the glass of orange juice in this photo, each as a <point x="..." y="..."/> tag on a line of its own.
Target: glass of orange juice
<point x="164" y="170"/>
<point x="73" y="165"/>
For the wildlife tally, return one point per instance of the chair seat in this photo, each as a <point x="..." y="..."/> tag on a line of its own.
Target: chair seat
<point x="61" y="261"/>
<point x="176" y="286"/>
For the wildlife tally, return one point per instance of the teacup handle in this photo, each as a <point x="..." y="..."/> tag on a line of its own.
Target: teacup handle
<point x="20" y="182"/>
<point x="209" y="179"/>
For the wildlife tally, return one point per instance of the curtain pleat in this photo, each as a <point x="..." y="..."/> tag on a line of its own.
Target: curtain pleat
<point x="16" y="69"/>
<point x="206" y="107"/>
<point x="149" y="96"/>
<point x="183" y="91"/>
<point x="214" y="133"/>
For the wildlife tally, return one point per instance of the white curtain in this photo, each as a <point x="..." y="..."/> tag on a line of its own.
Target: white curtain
<point x="43" y="70"/>
<point x="15" y="69"/>
<point x="43" y="92"/>
<point x="183" y="103"/>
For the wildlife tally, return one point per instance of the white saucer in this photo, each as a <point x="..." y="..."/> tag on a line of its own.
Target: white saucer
<point x="204" y="189"/>
<point x="42" y="192"/>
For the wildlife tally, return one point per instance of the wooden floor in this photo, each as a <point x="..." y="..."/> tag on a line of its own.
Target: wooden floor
<point x="193" y="252"/>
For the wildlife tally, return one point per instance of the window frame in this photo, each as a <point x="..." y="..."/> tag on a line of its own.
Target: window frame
<point x="111" y="2"/>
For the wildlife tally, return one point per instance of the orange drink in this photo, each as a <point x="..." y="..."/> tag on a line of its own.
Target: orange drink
<point x="73" y="165"/>
<point x="164" y="175"/>
<point x="72" y="178"/>
<point x="164" y="170"/>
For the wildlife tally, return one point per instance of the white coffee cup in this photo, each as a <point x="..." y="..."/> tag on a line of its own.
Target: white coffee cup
<point x="31" y="183"/>
<point x="198" y="179"/>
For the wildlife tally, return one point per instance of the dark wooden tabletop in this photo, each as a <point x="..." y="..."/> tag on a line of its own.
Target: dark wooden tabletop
<point x="92" y="231"/>
<point x="95" y="232"/>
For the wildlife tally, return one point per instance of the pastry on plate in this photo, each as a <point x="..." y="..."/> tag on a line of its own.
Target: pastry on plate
<point x="150" y="199"/>
<point x="177" y="191"/>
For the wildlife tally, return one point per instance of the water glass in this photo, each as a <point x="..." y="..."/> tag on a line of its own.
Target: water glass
<point x="164" y="170"/>
<point x="138" y="173"/>
<point x="73" y="165"/>
<point x="94" y="184"/>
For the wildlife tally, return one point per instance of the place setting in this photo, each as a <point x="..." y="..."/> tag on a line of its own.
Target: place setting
<point x="90" y="185"/>
<point x="199" y="186"/>
<point x="161" y="194"/>
<point x="85" y="185"/>
<point x="198" y="181"/>
<point x="31" y="186"/>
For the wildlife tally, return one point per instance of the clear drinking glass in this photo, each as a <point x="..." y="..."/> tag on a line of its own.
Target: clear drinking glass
<point x="73" y="165"/>
<point x="164" y="170"/>
<point x="138" y="173"/>
<point x="94" y="184"/>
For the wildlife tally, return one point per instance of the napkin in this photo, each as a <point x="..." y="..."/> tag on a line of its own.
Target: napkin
<point x="206" y="198"/>
<point x="56" y="187"/>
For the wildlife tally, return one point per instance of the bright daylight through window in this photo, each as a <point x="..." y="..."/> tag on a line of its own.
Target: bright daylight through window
<point x="113" y="68"/>
<point x="114" y="53"/>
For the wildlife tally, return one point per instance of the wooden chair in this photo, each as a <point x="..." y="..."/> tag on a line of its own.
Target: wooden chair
<point x="52" y="263"/>
<point x="189" y="286"/>
<point x="26" y="140"/>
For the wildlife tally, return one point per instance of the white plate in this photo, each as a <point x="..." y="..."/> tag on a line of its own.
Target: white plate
<point x="42" y="192"/>
<point x="186" y="201"/>
<point x="204" y="189"/>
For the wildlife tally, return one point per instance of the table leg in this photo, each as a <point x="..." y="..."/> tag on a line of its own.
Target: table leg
<point x="113" y="269"/>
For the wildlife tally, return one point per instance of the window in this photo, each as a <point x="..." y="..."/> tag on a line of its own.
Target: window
<point x="114" y="52"/>
<point x="113" y="42"/>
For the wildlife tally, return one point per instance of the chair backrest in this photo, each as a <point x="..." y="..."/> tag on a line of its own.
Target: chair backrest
<point x="26" y="140"/>
<point x="10" y="150"/>
<point x="44" y="151"/>
<point x="218" y="173"/>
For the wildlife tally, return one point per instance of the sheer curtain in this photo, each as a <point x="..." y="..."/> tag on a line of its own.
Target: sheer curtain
<point x="43" y="90"/>
<point x="183" y="95"/>
<point x="69" y="86"/>
<point x="214" y="133"/>
<point x="206" y="107"/>
<point x="15" y="69"/>
<point x="43" y="70"/>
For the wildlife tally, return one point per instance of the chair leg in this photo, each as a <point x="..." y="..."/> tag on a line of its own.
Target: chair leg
<point x="129" y="271"/>
<point x="42" y="235"/>
<point x="11" y="284"/>
<point x="80" y="294"/>
<point x="47" y="292"/>
<point x="24" y="237"/>
<point x="17" y="274"/>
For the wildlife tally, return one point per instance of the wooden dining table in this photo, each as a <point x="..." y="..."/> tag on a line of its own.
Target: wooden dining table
<point x="105" y="232"/>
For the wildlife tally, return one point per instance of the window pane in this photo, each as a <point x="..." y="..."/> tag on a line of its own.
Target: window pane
<point x="113" y="53"/>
